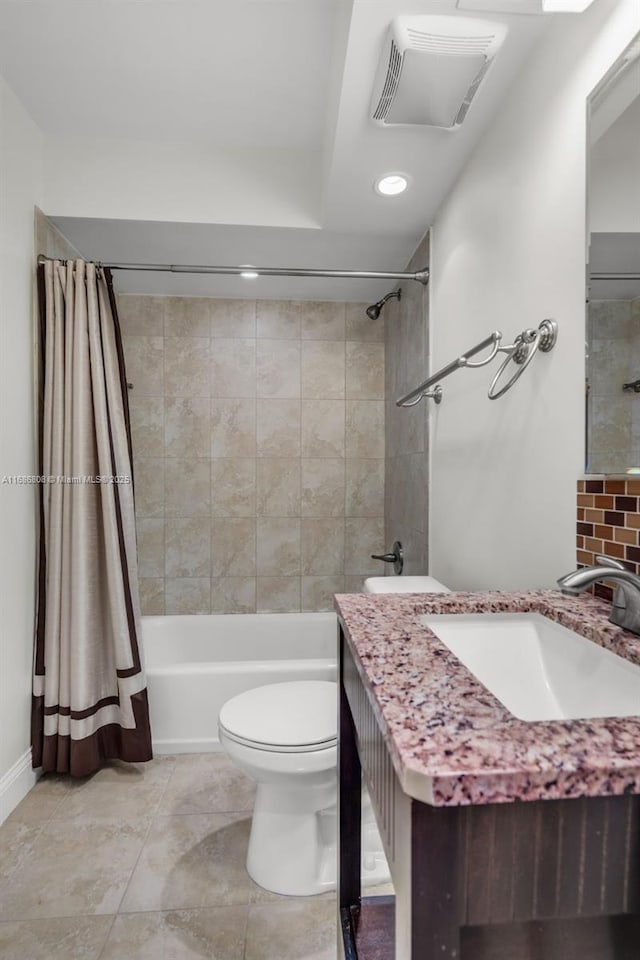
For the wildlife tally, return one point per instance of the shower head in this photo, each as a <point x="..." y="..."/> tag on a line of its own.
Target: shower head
<point x="373" y="312"/>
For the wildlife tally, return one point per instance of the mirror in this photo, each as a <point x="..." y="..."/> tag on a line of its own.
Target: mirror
<point x="613" y="270"/>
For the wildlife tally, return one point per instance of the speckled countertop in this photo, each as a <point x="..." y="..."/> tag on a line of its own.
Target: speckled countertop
<point x="450" y="740"/>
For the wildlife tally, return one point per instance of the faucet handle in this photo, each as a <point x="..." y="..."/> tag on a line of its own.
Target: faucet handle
<point x="603" y="561"/>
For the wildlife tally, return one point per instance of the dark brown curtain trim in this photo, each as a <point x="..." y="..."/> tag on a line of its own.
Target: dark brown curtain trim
<point x="125" y="674"/>
<point x="42" y="580"/>
<point x="59" y="711"/>
<point x="83" y="757"/>
<point x="133" y="633"/>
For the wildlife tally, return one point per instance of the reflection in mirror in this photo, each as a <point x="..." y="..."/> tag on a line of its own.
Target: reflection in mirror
<point x="613" y="272"/>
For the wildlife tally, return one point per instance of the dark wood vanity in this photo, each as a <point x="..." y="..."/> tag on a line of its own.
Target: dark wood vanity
<point x="545" y="879"/>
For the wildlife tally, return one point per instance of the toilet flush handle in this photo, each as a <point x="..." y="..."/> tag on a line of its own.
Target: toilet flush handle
<point x="396" y="558"/>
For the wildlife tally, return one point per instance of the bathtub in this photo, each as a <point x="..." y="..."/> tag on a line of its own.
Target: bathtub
<point x="195" y="663"/>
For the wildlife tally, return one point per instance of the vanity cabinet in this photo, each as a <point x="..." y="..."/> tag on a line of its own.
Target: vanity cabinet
<point x="544" y="879"/>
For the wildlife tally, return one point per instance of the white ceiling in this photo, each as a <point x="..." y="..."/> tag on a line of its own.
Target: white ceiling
<point x="263" y="74"/>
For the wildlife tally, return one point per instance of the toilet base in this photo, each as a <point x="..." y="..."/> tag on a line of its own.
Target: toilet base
<point x="293" y="849"/>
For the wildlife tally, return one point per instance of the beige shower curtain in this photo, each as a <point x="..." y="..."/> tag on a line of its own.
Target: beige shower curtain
<point x="89" y="690"/>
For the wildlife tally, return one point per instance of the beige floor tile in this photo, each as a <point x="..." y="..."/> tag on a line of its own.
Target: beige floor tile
<point x="123" y="790"/>
<point x="207" y="783"/>
<point x="74" y="868"/>
<point x="189" y="862"/>
<point x="298" y="930"/>
<point x="216" y="933"/>
<point x="43" y="799"/>
<point x="67" y="938"/>
<point x="16" y="842"/>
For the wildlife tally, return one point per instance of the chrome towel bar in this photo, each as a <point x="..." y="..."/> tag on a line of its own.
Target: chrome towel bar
<point x="521" y="351"/>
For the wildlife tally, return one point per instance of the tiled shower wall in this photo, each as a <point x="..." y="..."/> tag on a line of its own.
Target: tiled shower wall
<point x="406" y="465"/>
<point x="614" y="359"/>
<point x="258" y="436"/>
<point x="609" y="523"/>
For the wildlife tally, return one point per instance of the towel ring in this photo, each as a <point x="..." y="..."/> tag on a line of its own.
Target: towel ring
<point x="522" y="351"/>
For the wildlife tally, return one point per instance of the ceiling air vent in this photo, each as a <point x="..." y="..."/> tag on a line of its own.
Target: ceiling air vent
<point x="431" y="68"/>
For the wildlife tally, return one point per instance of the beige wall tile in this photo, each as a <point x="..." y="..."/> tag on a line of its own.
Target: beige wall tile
<point x="278" y="487"/>
<point x="151" y="596"/>
<point x="354" y="583"/>
<point x="147" y="425"/>
<point x="323" y="428"/>
<point x="278" y="428"/>
<point x="186" y="367"/>
<point x="278" y="547"/>
<point x="365" y="488"/>
<point x="233" y="368"/>
<point x="278" y="368"/>
<point x="187" y="317"/>
<point x="360" y="327"/>
<point x="186" y="427"/>
<point x="141" y="316"/>
<point x="233" y="428"/>
<point x="278" y="319"/>
<point x="323" y="485"/>
<point x="318" y="592"/>
<point x="233" y="595"/>
<point x="322" y="320"/>
<point x="362" y="538"/>
<point x="233" y="318"/>
<point x="150" y="547"/>
<point x="323" y="369"/>
<point x="144" y="365"/>
<point x="233" y="488"/>
<point x="278" y="595"/>
<point x="365" y="371"/>
<point x="148" y="473"/>
<point x="233" y="547"/>
<point x="187" y="548"/>
<point x="322" y="546"/>
<point x="187" y="488"/>
<point x="188" y="595"/>
<point x="365" y="429"/>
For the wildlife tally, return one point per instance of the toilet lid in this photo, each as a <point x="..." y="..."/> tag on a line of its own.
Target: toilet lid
<point x="296" y="714"/>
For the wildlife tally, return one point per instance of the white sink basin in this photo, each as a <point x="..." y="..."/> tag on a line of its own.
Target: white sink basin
<point x="537" y="668"/>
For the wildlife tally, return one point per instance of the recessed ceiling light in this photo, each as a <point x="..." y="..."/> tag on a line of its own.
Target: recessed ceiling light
<point x="565" y="6"/>
<point x="391" y="184"/>
<point x="249" y="274"/>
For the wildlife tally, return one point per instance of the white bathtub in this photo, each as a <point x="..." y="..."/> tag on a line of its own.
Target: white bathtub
<point x="195" y="663"/>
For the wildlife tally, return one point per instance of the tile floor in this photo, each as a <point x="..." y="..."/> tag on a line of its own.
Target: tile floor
<point x="146" y="862"/>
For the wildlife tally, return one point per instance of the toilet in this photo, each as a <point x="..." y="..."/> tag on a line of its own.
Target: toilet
<point x="284" y="736"/>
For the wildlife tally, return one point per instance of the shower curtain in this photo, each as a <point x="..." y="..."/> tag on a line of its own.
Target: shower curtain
<point x="89" y="688"/>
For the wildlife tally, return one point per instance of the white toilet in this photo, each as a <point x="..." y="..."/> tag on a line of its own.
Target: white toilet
<point x="284" y="735"/>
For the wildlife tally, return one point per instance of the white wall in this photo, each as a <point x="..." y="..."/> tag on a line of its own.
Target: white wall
<point x="614" y="178"/>
<point x="508" y="250"/>
<point x="184" y="182"/>
<point x="20" y="188"/>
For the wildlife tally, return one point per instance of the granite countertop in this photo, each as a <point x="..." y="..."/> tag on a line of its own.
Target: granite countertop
<point x="451" y="741"/>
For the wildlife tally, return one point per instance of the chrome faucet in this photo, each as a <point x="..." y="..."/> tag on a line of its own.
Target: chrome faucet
<point x="625" y="610"/>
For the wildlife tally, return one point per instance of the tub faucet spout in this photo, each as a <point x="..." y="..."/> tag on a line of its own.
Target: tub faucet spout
<point x="625" y="610"/>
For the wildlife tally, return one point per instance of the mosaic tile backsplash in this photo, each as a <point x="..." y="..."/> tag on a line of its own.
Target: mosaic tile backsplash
<point x="609" y="523"/>
<point x="258" y="438"/>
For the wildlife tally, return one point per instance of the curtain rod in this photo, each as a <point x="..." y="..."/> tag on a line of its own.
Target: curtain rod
<point x="614" y="276"/>
<point x="421" y="276"/>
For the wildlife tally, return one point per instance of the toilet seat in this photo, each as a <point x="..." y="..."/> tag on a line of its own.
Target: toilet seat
<point x="295" y="717"/>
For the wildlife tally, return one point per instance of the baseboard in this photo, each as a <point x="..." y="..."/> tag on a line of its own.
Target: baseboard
<point x="16" y="783"/>
<point x="164" y="747"/>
